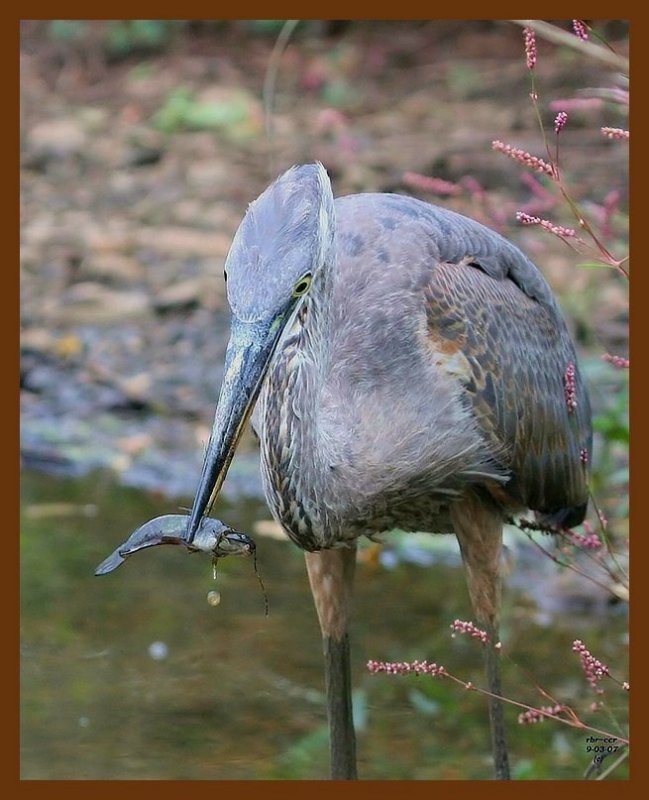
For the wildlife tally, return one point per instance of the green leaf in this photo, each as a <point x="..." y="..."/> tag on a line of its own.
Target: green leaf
<point x="67" y="30"/>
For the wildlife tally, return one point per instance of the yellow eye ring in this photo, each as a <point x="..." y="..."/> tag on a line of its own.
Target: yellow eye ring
<point x="302" y="286"/>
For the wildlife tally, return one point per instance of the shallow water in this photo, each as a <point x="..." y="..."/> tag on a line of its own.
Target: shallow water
<point x="135" y="675"/>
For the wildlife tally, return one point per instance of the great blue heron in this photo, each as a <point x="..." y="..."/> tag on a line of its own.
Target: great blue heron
<point x="411" y="370"/>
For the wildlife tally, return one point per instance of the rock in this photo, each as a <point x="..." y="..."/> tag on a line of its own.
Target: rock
<point x="39" y="340"/>
<point x="181" y="295"/>
<point x="44" y="342"/>
<point x="135" y="444"/>
<point x="271" y="529"/>
<point x="210" y="173"/>
<point x="176" y="241"/>
<point x="112" y="267"/>
<point x="60" y="138"/>
<point x="68" y="346"/>
<point x="143" y="156"/>
<point x="92" y="303"/>
<point x="137" y="388"/>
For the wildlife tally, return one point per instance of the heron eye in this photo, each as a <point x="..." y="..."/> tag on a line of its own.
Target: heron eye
<point x="302" y="286"/>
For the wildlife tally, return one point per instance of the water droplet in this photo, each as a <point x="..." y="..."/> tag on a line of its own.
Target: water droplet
<point x="214" y="598"/>
<point x="158" y="651"/>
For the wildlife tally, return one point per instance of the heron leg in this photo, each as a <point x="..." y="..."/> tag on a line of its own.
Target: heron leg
<point x="331" y="575"/>
<point x="478" y="527"/>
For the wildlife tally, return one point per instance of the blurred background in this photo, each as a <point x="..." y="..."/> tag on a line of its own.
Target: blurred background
<point x="142" y="143"/>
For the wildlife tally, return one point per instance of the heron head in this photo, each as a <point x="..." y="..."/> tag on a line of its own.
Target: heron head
<point x="285" y="238"/>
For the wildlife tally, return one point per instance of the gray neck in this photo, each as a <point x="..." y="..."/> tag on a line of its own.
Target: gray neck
<point x="294" y="462"/>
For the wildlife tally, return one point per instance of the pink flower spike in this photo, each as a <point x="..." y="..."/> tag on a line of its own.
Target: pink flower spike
<point x="530" y="47"/>
<point x="406" y="667"/>
<point x="580" y="29"/>
<point x="534" y="715"/>
<point x="570" y="387"/>
<point x="560" y="121"/>
<point x="557" y="230"/>
<point x="590" y="541"/>
<point x="459" y="626"/>
<point x="526" y="219"/>
<point x="473" y="187"/>
<point x="617" y="361"/>
<point x="576" y="104"/>
<point x="525" y="158"/>
<point x="616" y="133"/>
<point x="433" y="185"/>
<point x="593" y="669"/>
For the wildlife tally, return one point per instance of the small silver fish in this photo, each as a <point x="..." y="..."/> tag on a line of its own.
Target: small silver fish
<point x="213" y="537"/>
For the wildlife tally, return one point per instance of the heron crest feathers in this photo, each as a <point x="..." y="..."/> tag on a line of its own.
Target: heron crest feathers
<point x="287" y="232"/>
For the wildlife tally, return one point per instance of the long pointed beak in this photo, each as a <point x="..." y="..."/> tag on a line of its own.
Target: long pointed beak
<point x="247" y="358"/>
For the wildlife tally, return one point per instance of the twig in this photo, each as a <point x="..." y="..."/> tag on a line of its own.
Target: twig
<point x="270" y="78"/>
<point x="622" y="757"/>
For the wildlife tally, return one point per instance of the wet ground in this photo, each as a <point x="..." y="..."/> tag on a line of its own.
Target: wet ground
<point x="129" y="201"/>
<point x="135" y="675"/>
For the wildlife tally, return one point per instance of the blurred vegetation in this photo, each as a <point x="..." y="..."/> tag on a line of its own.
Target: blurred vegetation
<point x="117" y="39"/>
<point x="125" y="37"/>
<point x="236" y="114"/>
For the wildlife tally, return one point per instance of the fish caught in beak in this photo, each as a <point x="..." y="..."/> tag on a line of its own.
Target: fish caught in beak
<point x="212" y="537"/>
